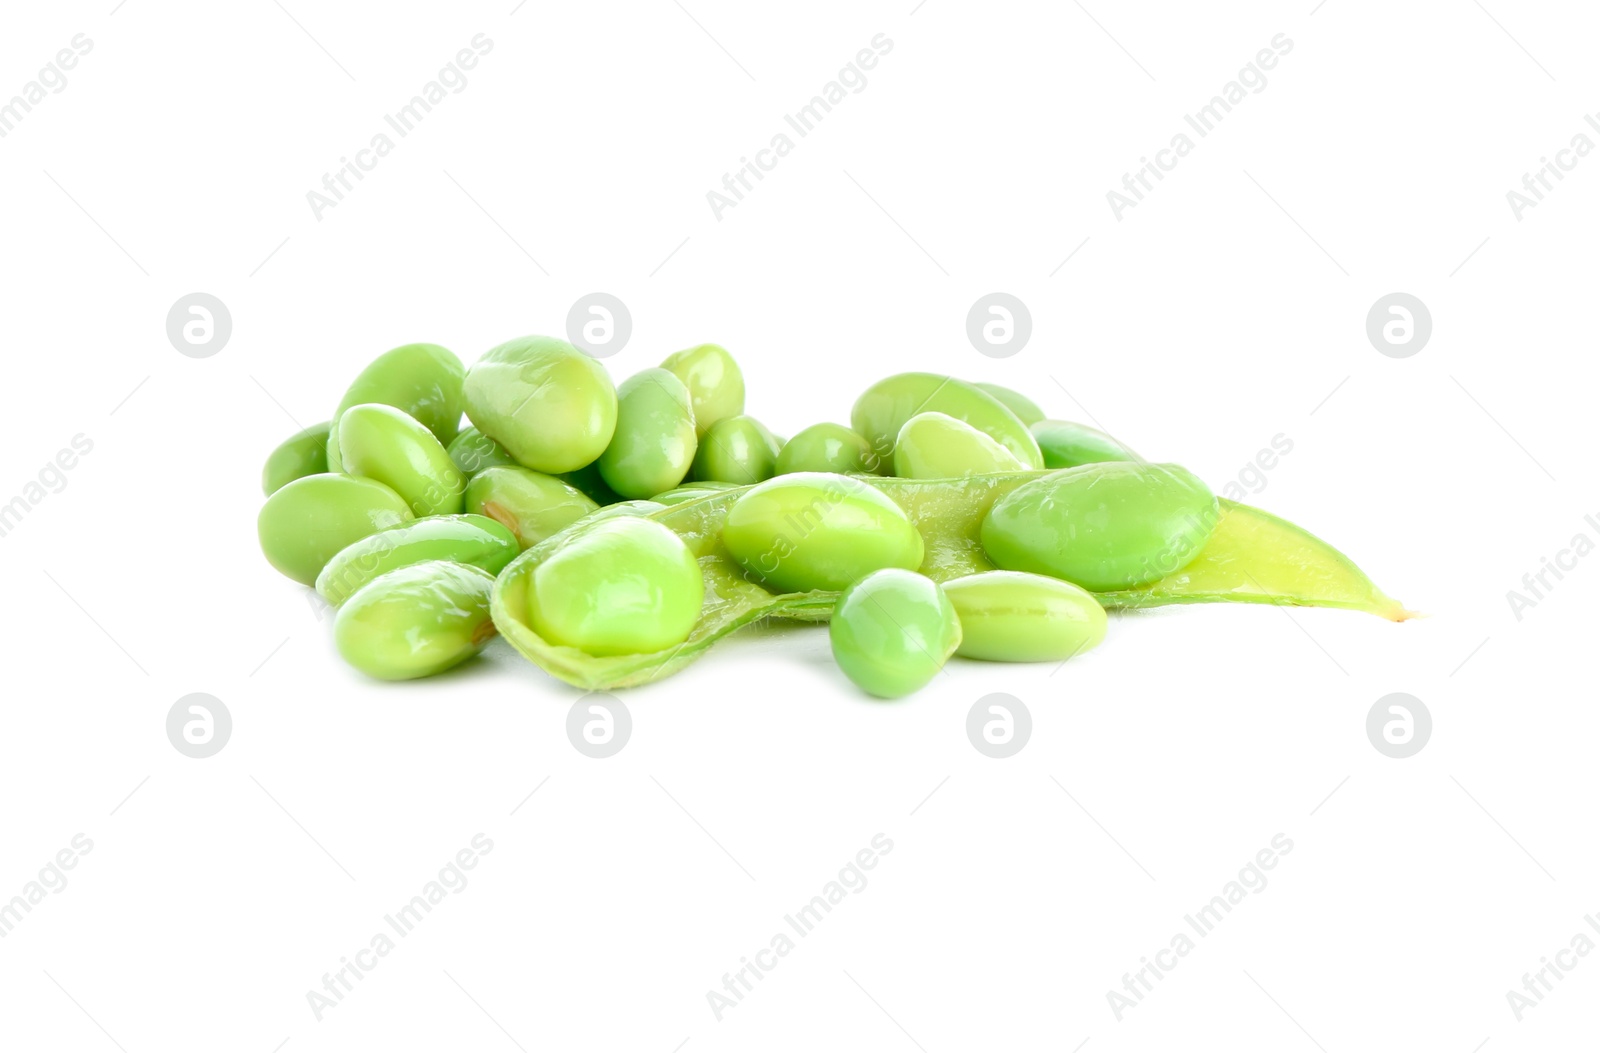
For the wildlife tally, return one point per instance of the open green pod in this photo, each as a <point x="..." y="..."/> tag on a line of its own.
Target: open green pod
<point x="1251" y="557"/>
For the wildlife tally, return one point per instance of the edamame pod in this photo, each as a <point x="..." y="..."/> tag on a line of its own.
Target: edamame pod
<point x="1027" y="411"/>
<point x="623" y="585"/>
<point x="473" y="451"/>
<point x="826" y="448"/>
<point x="422" y="381"/>
<point x="654" y="442"/>
<point x="382" y="443"/>
<point x="303" y="453"/>
<point x="1066" y="444"/>
<point x="1251" y="557"/>
<point x="531" y="505"/>
<point x="1112" y="525"/>
<point x="307" y="522"/>
<point x="690" y="492"/>
<point x="1008" y="616"/>
<point x="812" y="530"/>
<point x="716" y="386"/>
<point x="937" y="446"/>
<point x="883" y="409"/>
<point x="472" y="540"/>
<point x="552" y="406"/>
<point x="892" y="632"/>
<point x="416" y="621"/>
<point x="737" y="450"/>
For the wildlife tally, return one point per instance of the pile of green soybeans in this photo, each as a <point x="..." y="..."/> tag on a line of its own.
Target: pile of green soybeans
<point x="612" y="533"/>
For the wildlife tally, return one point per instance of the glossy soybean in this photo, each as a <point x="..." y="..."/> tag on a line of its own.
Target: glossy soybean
<point x="473" y="451"/>
<point x="813" y="530"/>
<point x="655" y="441"/>
<point x="1026" y="410"/>
<point x="472" y="540"/>
<point x="737" y="450"/>
<point x="416" y="621"/>
<point x="549" y="404"/>
<point x="533" y="506"/>
<point x="307" y="522"/>
<point x="883" y="409"/>
<point x="1105" y="526"/>
<point x="1009" y="616"/>
<point x="423" y="381"/>
<point x="826" y="448"/>
<point x="715" y="383"/>
<point x="892" y="632"/>
<point x="383" y="443"/>
<point x="303" y="453"/>
<point x="622" y="585"/>
<point x="937" y="446"/>
<point x="1066" y="444"/>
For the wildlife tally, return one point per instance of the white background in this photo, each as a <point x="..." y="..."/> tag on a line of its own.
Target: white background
<point x="1217" y="314"/>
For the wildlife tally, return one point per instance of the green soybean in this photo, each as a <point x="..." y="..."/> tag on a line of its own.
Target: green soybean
<point x="624" y="585"/>
<point x="1107" y="526"/>
<point x="1008" y="616"/>
<point x="472" y="540"/>
<point x="1066" y="444"/>
<point x="383" y="443"/>
<point x="473" y="451"/>
<point x="552" y="406"/>
<point x="883" y="409"/>
<point x="716" y="386"/>
<point x="892" y="632"/>
<point x="826" y="448"/>
<point x="307" y="522"/>
<point x="589" y="480"/>
<point x="303" y="453"/>
<point x="813" y="530"/>
<point x="1027" y="411"/>
<point x="654" y="442"/>
<point x="937" y="446"/>
<point x="737" y="450"/>
<point x="416" y="621"/>
<point x="531" y="505"/>
<point x="423" y="381"/>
